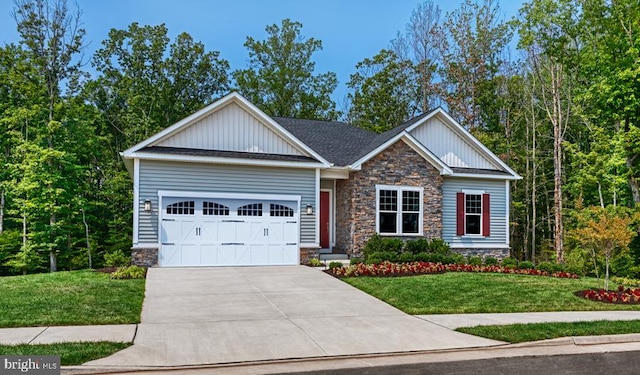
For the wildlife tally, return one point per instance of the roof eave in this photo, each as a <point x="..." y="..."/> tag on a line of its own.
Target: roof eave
<point x="222" y="160"/>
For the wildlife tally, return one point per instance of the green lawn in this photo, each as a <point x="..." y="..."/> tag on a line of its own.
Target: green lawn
<point x="515" y="333"/>
<point x="74" y="353"/>
<point x="460" y="292"/>
<point x="69" y="298"/>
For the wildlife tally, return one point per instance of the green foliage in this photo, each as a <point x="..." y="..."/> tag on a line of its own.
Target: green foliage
<point x="315" y="262"/>
<point x="129" y="272"/>
<point x="509" y="262"/>
<point x="406" y="257"/>
<point x="545" y="266"/>
<point x="490" y="261"/>
<point x="10" y="243"/>
<point x="474" y="261"/>
<point x="333" y="265"/>
<point x="71" y="353"/>
<point x="280" y="77"/>
<point x="420" y="245"/>
<point x="356" y="260"/>
<point x="526" y="265"/>
<point x="439" y="246"/>
<point x="116" y="259"/>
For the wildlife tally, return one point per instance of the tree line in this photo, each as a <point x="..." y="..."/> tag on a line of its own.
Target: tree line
<point x="561" y="109"/>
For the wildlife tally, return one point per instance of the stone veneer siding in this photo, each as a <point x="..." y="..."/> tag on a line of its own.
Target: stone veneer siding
<point x="398" y="165"/>
<point x="144" y="256"/>
<point x="483" y="253"/>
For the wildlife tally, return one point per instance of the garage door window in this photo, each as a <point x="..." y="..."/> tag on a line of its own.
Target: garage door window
<point x="181" y="208"/>
<point x="280" y="210"/>
<point x="214" y="209"/>
<point x="254" y="209"/>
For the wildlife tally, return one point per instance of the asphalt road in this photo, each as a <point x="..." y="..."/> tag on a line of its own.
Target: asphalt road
<point x="622" y="363"/>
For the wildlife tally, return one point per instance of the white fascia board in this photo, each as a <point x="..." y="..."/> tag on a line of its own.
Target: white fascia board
<point x="251" y="196"/>
<point x="477" y="245"/>
<point x="426" y="154"/>
<point x="461" y="131"/>
<point x="335" y="173"/>
<point x="411" y="142"/>
<point x="223" y="160"/>
<point x="218" y="104"/>
<point x="486" y="176"/>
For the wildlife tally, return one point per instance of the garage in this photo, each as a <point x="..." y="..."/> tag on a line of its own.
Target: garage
<point x="224" y="231"/>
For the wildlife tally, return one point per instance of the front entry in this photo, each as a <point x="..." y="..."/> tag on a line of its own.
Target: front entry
<point x="325" y="238"/>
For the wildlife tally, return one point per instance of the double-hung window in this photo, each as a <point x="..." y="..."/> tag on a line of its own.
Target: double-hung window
<point x="399" y="210"/>
<point x="473" y="216"/>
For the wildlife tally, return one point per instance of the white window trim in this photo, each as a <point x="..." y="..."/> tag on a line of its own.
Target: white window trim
<point x="473" y="192"/>
<point x="400" y="189"/>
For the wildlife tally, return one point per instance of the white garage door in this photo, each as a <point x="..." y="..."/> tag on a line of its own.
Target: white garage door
<point x="228" y="232"/>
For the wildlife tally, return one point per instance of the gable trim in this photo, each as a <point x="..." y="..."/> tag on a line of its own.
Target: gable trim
<point x="222" y="160"/>
<point x="464" y="134"/>
<point x="236" y="98"/>
<point x="410" y="141"/>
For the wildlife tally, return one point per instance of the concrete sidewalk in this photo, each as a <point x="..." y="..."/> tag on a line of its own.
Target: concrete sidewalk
<point x="50" y="335"/>
<point x="455" y="321"/>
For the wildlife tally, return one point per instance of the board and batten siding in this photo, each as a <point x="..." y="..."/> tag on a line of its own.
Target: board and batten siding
<point x="231" y="128"/>
<point x="498" y="198"/>
<point x="450" y="147"/>
<point x="208" y="178"/>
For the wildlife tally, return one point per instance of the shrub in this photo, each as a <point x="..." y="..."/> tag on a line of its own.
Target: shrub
<point x="333" y="265"/>
<point x="421" y="245"/>
<point x="490" y="261"/>
<point x="437" y="245"/>
<point x="406" y="257"/>
<point x="545" y="266"/>
<point x="116" y="259"/>
<point x="622" y="265"/>
<point x="509" y="262"/>
<point x="526" y="265"/>
<point x="381" y="256"/>
<point x="475" y="261"/>
<point x="129" y="272"/>
<point x="356" y="260"/>
<point x="315" y="262"/>
<point x="421" y="257"/>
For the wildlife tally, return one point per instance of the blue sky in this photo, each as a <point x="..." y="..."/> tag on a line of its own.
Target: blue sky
<point x="350" y="30"/>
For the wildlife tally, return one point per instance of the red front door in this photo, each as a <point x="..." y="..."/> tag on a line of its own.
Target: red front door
<point x="324" y="220"/>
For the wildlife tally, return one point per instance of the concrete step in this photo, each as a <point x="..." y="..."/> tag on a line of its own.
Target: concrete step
<point x="335" y="257"/>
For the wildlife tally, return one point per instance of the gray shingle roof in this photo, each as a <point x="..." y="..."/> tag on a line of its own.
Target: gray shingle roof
<point x="338" y="142"/>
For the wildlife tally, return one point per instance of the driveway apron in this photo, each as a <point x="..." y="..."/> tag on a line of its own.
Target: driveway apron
<point x="195" y="316"/>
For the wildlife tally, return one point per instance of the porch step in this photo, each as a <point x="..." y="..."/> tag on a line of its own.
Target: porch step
<point x="333" y="257"/>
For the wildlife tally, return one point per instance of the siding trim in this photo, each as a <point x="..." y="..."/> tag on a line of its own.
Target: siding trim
<point x="222" y="160"/>
<point x="200" y="194"/>
<point x="317" y="207"/>
<point x="507" y="194"/>
<point x="136" y="200"/>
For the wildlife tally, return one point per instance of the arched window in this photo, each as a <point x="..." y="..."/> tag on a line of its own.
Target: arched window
<point x="280" y="210"/>
<point x="181" y="208"/>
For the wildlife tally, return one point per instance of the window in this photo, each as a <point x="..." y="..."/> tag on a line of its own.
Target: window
<point x="254" y="209"/>
<point x="181" y="208"/>
<point x="280" y="210"/>
<point x="212" y="208"/>
<point x="399" y="210"/>
<point x="473" y="216"/>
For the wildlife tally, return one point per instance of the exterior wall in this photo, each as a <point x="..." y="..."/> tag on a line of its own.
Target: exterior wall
<point x="231" y="129"/>
<point x="200" y="177"/>
<point x="484" y="253"/>
<point x="450" y="147"/>
<point x="498" y="198"/>
<point x="356" y="197"/>
<point x="307" y="253"/>
<point x="144" y="256"/>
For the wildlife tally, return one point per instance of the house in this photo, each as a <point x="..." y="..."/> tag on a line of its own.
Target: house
<point x="230" y="185"/>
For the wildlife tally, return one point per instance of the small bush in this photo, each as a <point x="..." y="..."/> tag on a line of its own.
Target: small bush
<point x="421" y="245"/>
<point x="526" y="265"/>
<point x="422" y="257"/>
<point x="406" y="257"/>
<point x="333" y="265"/>
<point x="356" y="260"/>
<point x="475" y="261"/>
<point x="545" y="266"/>
<point x="509" y="262"/>
<point x="129" y="272"/>
<point x="490" y="261"/>
<point x="315" y="262"/>
<point x="381" y="256"/>
<point x="116" y="259"/>
<point x="437" y="245"/>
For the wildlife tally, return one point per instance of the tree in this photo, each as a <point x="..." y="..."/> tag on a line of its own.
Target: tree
<point x="145" y="84"/>
<point x="605" y="232"/>
<point x="52" y="36"/>
<point x="280" y="77"/>
<point x="418" y="44"/>
<point x="381" y="97"/>
<point x="472" y="44"/>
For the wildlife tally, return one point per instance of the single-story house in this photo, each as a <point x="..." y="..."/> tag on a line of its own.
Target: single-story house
<point x="230" y="185"/>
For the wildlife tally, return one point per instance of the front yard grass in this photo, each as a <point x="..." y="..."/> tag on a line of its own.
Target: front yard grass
<point x="463" y="293"/>
<point x="69" y="298"/>
<point x="515" y="333"/>
<point x="71" y="353"/>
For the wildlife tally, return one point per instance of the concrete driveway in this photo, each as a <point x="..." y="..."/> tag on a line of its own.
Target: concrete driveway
<point x="195" y="316"/>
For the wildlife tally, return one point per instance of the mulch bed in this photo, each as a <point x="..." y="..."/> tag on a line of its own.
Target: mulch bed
<point x="106" y="269"/>
<point x="618" y="297"/>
